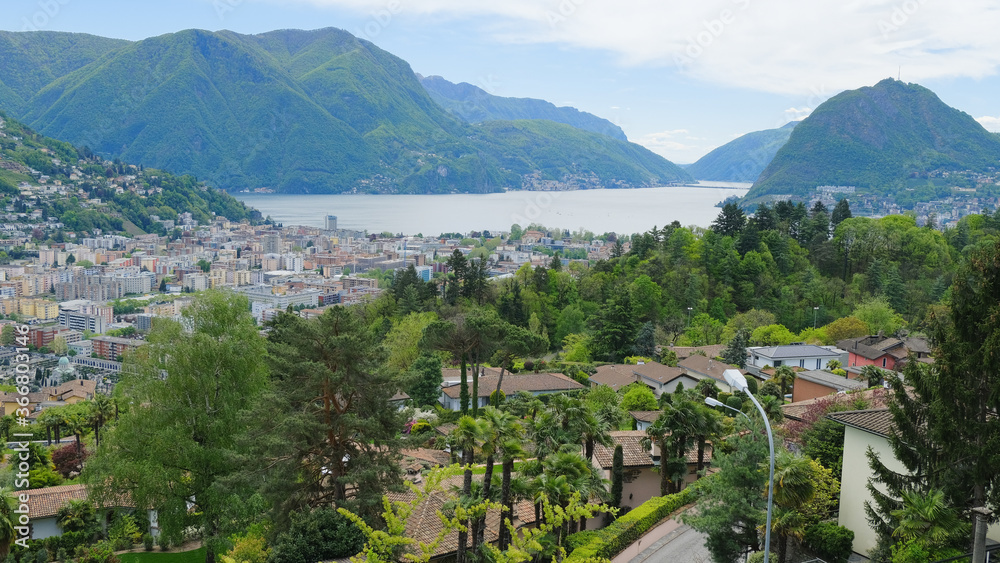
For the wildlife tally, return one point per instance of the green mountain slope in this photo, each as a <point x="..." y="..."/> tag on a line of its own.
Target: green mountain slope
<point x="304" y="112"/>
<point x="881" y="139"/>
<point x="743" y="158"/>
<point x="86" y="192"/>
<point x="30" y="61"/>
<point x="475" y="105"/>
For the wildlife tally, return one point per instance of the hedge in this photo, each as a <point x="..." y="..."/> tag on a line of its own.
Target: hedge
<point x="623" y="532"/>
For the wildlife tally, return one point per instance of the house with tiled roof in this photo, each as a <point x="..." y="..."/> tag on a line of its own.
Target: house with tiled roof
<point x="534" y="383"/>
<point x="703" y="367"/>
<point x="867" y="430"/>
<point x="44" y="505"/>
<point x="658" y="377"/>
<point x="806" y="356"/>
<point x="887" y="353"/>
<point x="641" y="463"/>
<point x="810" y="384"/>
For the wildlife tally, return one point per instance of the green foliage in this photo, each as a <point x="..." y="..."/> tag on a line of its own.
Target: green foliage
<point x="878" y="316"/>
<point x="425" y="389"/>
<point x="613" y="539"/>
<point x="101" y="552"/>
<point x="318" y="535"/>
<point x="829" y="541"/>
<point x="147" y="542"/>
<point x="638" y="397"/>
<point x="124" y="533"/>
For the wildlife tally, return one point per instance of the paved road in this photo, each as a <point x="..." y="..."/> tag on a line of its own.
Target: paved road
<point x="683" y="544"/>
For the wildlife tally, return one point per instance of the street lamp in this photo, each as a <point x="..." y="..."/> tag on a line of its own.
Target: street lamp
<point x="736" y="380"/>
<point x="689" y="316"/>
<point x="815" y="314"/>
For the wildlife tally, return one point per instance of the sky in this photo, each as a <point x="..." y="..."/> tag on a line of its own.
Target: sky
<point x="680" y="77"/>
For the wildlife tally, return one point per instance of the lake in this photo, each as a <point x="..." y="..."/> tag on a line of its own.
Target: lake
<point x="600" y="211"/>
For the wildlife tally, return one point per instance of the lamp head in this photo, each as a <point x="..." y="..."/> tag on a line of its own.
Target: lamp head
<point x="713" y="402"/>
<point x="735" y="379"/>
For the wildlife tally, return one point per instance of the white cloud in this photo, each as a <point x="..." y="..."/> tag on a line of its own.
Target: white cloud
<point x="797" y="114"/>
<point x="990" y="123"/>
<point x="766" y="45"/>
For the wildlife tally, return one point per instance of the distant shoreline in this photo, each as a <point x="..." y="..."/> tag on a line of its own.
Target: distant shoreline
<point x="704" y="185"/>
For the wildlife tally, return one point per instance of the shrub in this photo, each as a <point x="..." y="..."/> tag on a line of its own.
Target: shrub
<point x="840" y="372"/>
<point x="101" y="552"/>
<point x="612" y="540"/>
<point x="829" y="541"/>
<point x="497" y="397"/>
<point x="67" y="460"/>
<point x="124" y="533"/>
<point x="62" y="555"/>
<point x="249" y="548"/>
<point x="758" y="557"/>
<point x="42" y="556"/>
<point x="320" y="535"/>
<point x="147" y="542"/>
<point x="420" y="426"/>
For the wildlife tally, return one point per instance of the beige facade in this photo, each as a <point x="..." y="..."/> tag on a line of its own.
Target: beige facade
<point x="854" y="491"/>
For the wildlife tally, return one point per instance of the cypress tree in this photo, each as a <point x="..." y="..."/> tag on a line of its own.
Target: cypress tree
<point x="617" y="481"/>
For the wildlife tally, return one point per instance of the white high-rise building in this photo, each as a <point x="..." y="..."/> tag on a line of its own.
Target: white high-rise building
<point x="331" y="222"/>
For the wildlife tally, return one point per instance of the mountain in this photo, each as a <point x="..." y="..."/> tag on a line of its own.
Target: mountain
<point x="743" y="158"/>
<point x="301" y="112"/>
<point x="85" y="192"/>
<point x="475" y="105"/>
<point x="882" y="139"/>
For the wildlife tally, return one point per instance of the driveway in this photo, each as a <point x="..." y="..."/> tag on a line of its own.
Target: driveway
<point x="682" y="544"/>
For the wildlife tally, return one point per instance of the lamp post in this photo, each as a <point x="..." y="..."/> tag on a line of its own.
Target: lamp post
<point x="689" y="316"/>
<point x="815" y="314"/>
<point x="737" y="381"/>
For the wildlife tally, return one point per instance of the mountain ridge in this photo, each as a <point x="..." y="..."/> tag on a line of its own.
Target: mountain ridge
<point x="880" y="139"/>
<point x="743" y="158"/>
<point x="298" y="111"/>
<point x="475" y="105"/>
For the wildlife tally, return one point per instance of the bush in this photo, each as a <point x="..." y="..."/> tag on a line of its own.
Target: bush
<point x="101" y="552"/>
<point x="62" y="555"/>
<point x="42" y="556"/>
<point x="421" y="426"/>
<point x="624" y="531"/>
<point x="249" y="548"/>
<point x="829" y="541"/>
<point x="147" y="542"/>
<point x="124" y="533"/>
<point x="320" y="535"/>
<point x="67" y="461"/>
<point x="758" y="557"/>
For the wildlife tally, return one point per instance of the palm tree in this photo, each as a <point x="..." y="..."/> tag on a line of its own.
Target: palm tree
<point x="102" y="409"/>
<point x="772" y="407"/>
<point x="794" y="485"/>
<point x="784" y="376"/>
<point x="509" y="451"/>
<point x="928" y="518"/>
<point x="7" y="522"/>
<point x="467" y="434"/>
<point x="873" y="375"/>
<point x="593" y="430"/>
<point x="76" y="516"/>
<point x="496" y="427"/>
<point x="709" y="427"/>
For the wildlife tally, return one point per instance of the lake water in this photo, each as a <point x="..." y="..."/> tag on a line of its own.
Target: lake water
<point x="620" y="211"/>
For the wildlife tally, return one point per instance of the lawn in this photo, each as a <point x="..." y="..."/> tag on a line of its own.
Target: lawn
<point x="195" y="556"/>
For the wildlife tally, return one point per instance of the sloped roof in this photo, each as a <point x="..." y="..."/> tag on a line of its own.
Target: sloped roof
<point x="657" y="372"/>
<point x="424" y="524"/>
<point x="633" y="453"/>
<point x="873" y="421"/>
<point x="876" y="397"/>
<point x="682" y="352"/>
<point x="514" y="382"/>
<point x="793" y="351"/>
<point x="45" y="503"/>
<point x="831" y="380"/>
<point x="614" y="376"/>
<point x="645" y="416"/>
<point x="700" y="365"/>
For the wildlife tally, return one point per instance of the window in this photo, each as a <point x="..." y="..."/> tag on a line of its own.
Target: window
<point x="777" y="363"/>
<point x="802" y="363"/>
<point x="818" y="363"/>
<point x="883" y="362"/>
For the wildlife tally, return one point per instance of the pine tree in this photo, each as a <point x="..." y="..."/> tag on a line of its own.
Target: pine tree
<point x="731" y="221"/>
<point x="841" y="211"/>
<point x="735" y="353"/>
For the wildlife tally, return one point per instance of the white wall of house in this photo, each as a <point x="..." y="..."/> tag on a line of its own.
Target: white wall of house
<point x="854" y="491"/>
<point x="805" y="362"/>
<point x="42" y="528"/>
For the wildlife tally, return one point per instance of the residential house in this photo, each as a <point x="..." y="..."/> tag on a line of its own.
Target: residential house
<point x="658" y="377"/>
<point x="703" y="367"/>
<point x="534" y="383"/>
<point x="867" y="430"/>
<point x="641" y="463"/>
<point x="9" y="402"/>
<point x="887" y="353"/>
<point x="798" y="410"/>
<point x="44" y="505"/>
<point x="806" y="356"/>
<point x="811" y="384"/>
